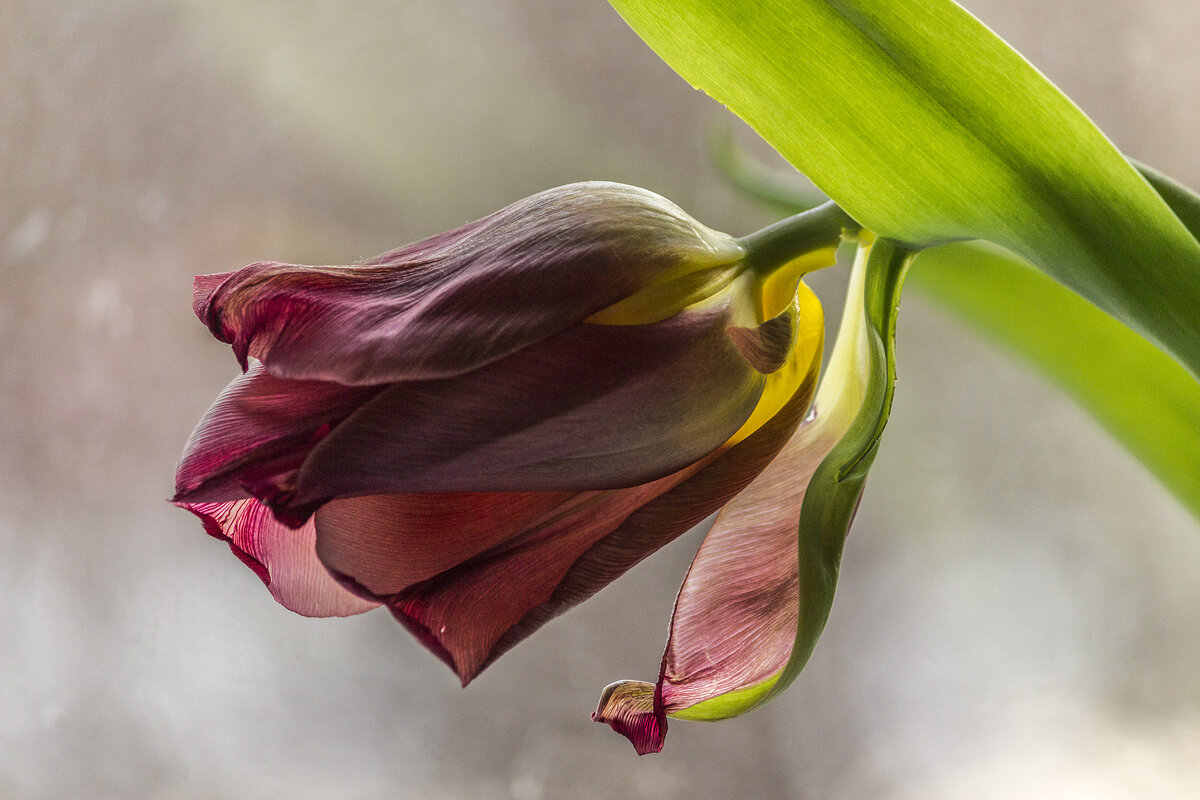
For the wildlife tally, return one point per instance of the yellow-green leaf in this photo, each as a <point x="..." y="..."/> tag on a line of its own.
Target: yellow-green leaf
<point x="927" y="128"/>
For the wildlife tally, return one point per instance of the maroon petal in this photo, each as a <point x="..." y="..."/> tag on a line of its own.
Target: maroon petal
<point x="708" y="486"/>
<point x="283" y="558"/>
<point x="258" y="433"/>
<point x="388" y="543"/>
<point x="596" y="407"/>
<point x="465" y="613"/>
<point x="735" y="617"/>
<point x="471" y="614"/>
<point x="462" y="299"/>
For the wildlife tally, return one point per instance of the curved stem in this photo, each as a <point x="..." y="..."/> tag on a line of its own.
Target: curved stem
<point x="815" y="229"/>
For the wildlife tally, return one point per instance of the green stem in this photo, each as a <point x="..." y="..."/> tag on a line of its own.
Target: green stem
<point x="815" y="229"/>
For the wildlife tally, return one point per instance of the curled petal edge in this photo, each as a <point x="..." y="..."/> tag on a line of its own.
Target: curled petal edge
<point x="284" y="559"/>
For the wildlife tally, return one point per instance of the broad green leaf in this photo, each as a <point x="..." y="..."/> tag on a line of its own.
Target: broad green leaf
<point x="950" y="135"/>
<point x="1143" y="397"/>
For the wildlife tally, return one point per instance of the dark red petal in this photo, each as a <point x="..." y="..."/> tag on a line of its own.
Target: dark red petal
<point x="668" y="515"/>
<point x="471" y="614"/>
<point x="461" y="299"/>
<point x="595" y="407"/>
<point x="283" y="558"/>
<point x="390" y="542"/>
<point x="257" y="433"/>
<point x="463" y="614"/>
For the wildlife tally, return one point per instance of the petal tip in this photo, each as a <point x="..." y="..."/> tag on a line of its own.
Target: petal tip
<point x="204" y="291"/>
<point x="403" y="611"/>
<point x="630" y="709"/>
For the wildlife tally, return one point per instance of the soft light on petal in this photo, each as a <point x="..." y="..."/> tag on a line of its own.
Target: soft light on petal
<point x="472" y="613"/>
<point x="630" y="709"/>
<point x="463" y="613"/>
<point x="285" y="559"/>
<point x="483" y="429"/>
<point x="462" y="299"/>
<point x="387" y="543"/>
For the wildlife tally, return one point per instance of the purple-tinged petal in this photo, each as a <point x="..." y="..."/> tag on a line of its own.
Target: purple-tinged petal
<point x="462" y="299"/>
<point x="596" y="407"/>
<point x="629" y="708"/>
<point x="258" y="433"/>
<point x="285" y="559"/>
<point x="668" y="515"/>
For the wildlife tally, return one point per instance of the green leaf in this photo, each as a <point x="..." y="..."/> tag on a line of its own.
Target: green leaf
<point x="1144" y="398"/>
<point x="951" y="135"/>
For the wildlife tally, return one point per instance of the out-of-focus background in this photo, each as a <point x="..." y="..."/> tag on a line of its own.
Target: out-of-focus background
<point x="1017" y="610"/>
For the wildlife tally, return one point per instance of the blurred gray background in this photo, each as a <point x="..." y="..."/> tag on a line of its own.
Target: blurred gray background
<point x="1017" y="611"/>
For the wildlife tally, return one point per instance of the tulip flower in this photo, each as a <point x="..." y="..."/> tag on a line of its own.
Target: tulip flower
<point x="481" y="430"/>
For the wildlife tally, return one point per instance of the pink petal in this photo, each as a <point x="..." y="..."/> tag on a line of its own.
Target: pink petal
<point x="736" y="614"/>
<point x="462" y="299"/>
<point x="595" y="407"/>
<point x="283" y="558"/>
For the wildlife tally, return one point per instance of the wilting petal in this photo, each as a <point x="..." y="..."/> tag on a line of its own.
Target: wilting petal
<point x="736" y="615"/>
<point x="631" y="709"/>
<point x="471" y="614"/>
<point x="660" y="521"/>
<point x="258" y="433"/>
<point x="596" y="407"/>
<point x="461" y="299"/>
<point x="283" y="558"/>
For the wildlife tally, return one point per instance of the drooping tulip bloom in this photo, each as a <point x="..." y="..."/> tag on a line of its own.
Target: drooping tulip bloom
<point x="482" y="429"/>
